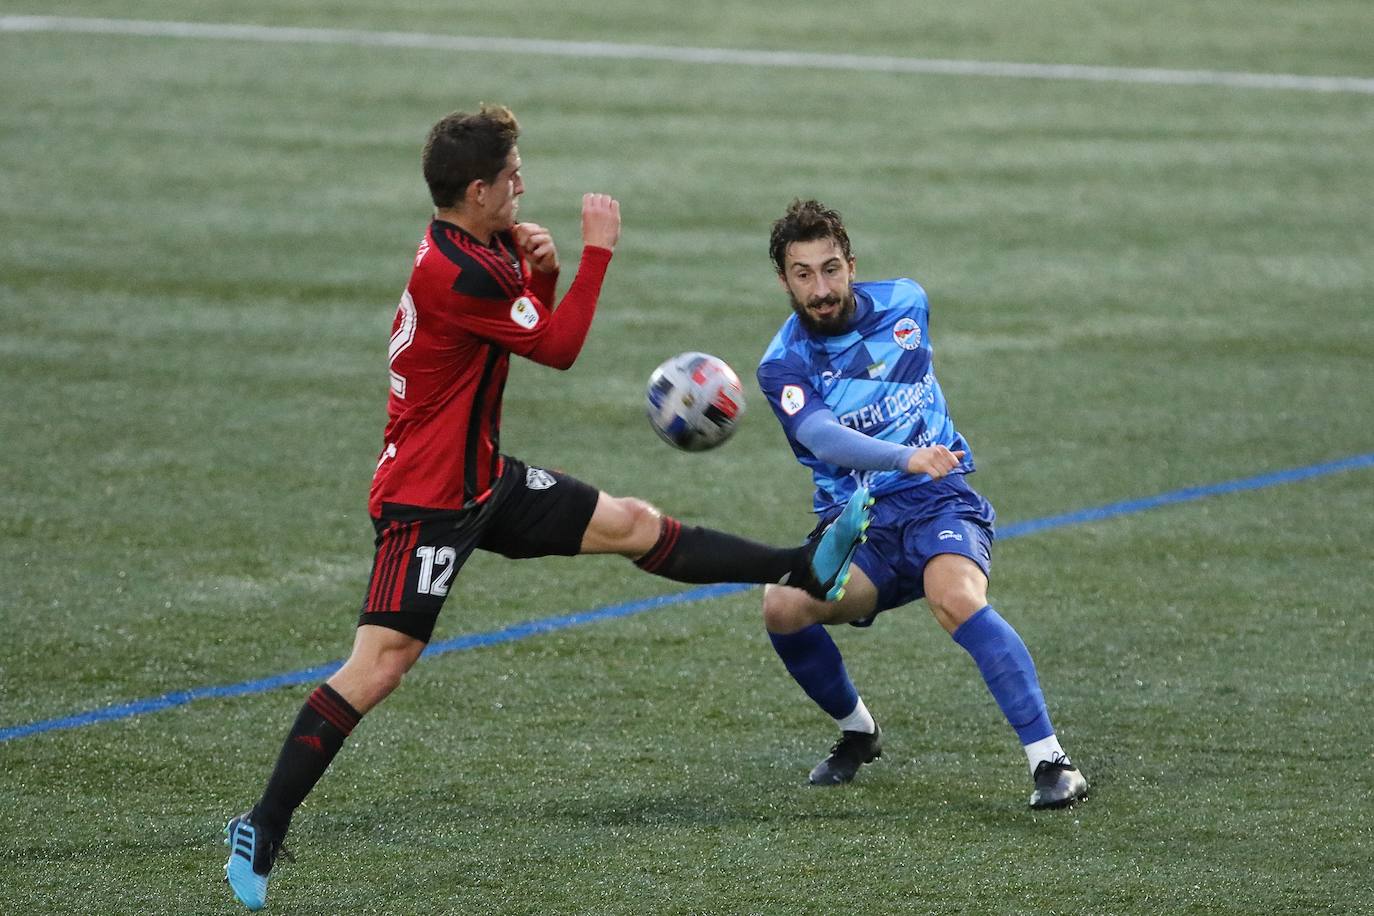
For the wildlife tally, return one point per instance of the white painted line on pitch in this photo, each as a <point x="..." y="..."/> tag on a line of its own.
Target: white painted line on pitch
<point x="800" y="60"/>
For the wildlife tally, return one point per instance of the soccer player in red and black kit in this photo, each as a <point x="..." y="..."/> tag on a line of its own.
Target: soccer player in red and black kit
<point x="482" y="288"/>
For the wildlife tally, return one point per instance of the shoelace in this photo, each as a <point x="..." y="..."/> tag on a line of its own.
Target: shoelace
<point x="847" y="742"/>
<point x="279" y="850"/>
<point x="1057" y="762"/>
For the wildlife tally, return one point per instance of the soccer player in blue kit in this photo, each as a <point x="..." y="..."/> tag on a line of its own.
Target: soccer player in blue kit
<point x="850" y="377"/>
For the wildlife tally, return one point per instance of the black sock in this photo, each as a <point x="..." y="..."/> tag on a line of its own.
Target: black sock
<point x="324" y="722"/>
<point x="685" y="553"/>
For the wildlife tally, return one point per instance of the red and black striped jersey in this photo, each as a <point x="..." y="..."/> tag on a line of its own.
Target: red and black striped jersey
<point x="467" y="307"/>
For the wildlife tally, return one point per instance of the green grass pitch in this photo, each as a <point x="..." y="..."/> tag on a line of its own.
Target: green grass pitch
<point x="1135" y="288"/>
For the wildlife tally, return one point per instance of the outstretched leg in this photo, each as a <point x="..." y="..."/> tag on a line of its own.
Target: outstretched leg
<point x="665" y="547"/>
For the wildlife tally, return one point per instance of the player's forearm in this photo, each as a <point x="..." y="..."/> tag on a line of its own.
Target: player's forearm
<point x="834" y="443"/>
<point x="568" y="326"/>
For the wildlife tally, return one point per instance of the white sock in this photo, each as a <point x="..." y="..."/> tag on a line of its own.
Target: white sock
<point x="859" y="720"/>
<point x="1044" y="749"/>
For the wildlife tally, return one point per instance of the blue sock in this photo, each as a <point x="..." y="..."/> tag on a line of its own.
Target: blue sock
<point x="814" y="661"/>
<point x="1007" y="669"/>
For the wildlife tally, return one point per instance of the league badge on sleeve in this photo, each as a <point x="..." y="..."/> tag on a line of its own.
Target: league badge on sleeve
<point x="792" y="400"/>
<point x="523" y="313"/>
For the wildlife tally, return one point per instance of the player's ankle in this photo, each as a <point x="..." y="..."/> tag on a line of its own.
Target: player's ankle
<point x="1045" y="749"/>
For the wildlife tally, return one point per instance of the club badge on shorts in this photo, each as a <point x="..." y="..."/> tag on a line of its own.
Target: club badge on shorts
<point x="539" y="479"/>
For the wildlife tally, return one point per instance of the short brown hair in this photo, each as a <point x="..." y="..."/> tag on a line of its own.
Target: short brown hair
<point x="806" y="221"/>
<point x="463" y="148"/>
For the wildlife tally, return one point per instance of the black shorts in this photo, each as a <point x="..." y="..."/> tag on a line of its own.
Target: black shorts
<point x="531" y="513"/>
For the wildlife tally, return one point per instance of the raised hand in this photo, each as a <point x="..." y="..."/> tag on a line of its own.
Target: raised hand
<point x="600" y="220"/>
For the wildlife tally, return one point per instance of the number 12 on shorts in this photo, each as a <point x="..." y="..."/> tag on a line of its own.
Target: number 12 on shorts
<point x="432" y="559"/>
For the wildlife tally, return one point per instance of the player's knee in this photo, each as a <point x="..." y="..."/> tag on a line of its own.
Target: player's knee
<point x="388" y="669"/>
<point x="389" y="673"/>
<point x="633" y="524"/>
<point x="644" y="519"/>
<point x="956" y="589"/>
<point x="623" y="525"/>
<point x="785" y="610"/>
<point x="954" y="604"/>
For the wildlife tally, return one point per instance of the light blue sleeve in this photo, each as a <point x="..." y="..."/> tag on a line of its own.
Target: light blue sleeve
<point x="834" y="443"/>
<point x="789" y="392"/>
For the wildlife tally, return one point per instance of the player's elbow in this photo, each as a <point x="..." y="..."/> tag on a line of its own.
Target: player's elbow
<point x="563" y="363"/>
<point x="826" y="455"/>
<point x="559" y="358"/>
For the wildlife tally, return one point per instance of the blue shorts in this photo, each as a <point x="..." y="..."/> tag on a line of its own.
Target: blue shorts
<point x="914" y="525"/>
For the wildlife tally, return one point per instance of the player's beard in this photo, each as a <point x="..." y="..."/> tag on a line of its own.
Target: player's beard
<point x="829" y="326"/>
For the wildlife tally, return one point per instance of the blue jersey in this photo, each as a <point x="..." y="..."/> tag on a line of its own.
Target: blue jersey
<point x="877" y="378"/>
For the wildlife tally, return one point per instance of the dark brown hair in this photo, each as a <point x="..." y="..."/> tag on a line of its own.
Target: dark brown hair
<point x="463" y="148"/>
<point x="806" y="221"/>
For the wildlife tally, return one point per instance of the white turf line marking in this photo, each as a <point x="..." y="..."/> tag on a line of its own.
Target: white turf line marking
<point x="610" y="50"/>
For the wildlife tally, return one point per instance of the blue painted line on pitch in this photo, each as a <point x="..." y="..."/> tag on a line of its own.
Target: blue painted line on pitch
<point x="319" y="672"/>
<point x="551" y="624"/>
<point x="1126" y="507"/>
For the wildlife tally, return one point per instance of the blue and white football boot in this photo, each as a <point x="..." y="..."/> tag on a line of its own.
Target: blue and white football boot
<point x="253" y="850"/>
<point x="833" y="551"/>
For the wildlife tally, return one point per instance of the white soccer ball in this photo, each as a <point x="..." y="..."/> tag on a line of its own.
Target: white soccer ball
<point x="695" y="400"/>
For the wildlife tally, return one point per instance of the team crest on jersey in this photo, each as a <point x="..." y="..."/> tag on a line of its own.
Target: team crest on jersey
<point x="539" y="479"/>
<point x="907" y="333"/>
<point x="523" y="313"/>
<point x="792" y="400"/>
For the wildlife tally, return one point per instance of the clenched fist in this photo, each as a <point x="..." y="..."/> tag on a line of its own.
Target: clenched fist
<point x="935" y="460"/>
<point x="600" y="220"/>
